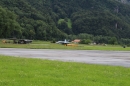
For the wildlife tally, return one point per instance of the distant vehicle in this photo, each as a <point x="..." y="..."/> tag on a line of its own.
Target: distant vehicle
<point x="21" y="41"/>
<point x="24" y="41"/>
<point x="65" y="42"/>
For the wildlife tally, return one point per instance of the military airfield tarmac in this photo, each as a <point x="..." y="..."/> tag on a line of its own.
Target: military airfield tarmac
<point x="115" y="58"/>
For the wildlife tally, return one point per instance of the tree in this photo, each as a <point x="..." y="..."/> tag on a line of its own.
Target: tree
<point x="113" y="40"/>
<point x="85" y="41"/>
<point x="9" y="26"/>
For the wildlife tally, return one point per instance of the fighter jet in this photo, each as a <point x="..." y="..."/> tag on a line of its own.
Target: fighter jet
<point x="65" y="42"/>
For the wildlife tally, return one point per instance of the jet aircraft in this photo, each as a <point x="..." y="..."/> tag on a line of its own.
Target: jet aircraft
<point x="65" y="42"/>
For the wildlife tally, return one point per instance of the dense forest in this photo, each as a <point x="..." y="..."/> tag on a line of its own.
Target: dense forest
<point x="60" y="19"/>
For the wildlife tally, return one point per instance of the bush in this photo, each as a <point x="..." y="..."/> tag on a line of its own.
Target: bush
<point x="85" y="41"/>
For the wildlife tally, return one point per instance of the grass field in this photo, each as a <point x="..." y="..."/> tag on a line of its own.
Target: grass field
<point x="36" y="72"/>
<point x="47" y="45"/>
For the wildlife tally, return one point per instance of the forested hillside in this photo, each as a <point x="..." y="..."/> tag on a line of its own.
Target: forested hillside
<point x="58" y="19"/>
<point x="124" y="1"/>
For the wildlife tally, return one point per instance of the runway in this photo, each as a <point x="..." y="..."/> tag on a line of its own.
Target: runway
<point x="115" y="58"/>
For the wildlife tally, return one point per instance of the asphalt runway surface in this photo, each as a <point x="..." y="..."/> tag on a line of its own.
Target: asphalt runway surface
<point x="115" y="58"/>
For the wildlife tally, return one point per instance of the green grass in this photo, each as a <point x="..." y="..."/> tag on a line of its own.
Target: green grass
<point x="48" y="45"/>
<point x="109" y="47"/>
<point x="37" y="44"/>
<point x="36" y="72"/>
<point x="69" y="23"/>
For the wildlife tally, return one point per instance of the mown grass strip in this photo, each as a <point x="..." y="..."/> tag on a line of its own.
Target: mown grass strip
<point x="36" y="44"/>
<point x="48" y="45"/>
<point x="36" y="72"/>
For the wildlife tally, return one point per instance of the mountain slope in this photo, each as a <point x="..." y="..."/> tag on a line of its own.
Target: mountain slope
<point x="39" y="18"/>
